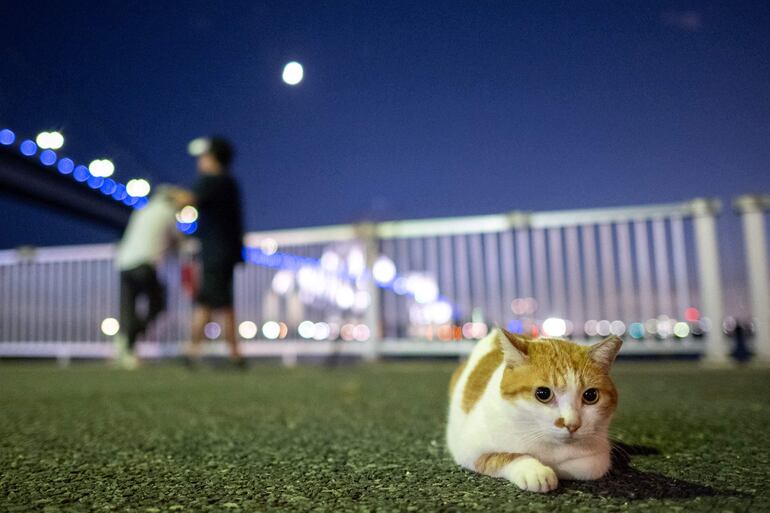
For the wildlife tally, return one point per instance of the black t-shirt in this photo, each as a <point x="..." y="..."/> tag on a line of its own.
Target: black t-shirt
<point x="220" y="227"/>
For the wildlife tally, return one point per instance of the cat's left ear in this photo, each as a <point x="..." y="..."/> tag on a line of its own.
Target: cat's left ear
<point x="604" y="352"/>
<point x="515" y="347"/>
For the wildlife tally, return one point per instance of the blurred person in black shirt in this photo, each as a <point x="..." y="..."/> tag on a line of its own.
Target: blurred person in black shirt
<point x="220" y="231"/>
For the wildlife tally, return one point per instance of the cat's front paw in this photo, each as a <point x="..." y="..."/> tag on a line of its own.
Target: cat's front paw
<point x="531" y="475"/>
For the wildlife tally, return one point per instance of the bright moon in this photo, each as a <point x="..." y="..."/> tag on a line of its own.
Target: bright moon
<point x="292" y="73"/>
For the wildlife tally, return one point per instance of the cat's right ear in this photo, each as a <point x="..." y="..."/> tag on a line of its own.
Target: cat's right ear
<point x="515" y="347"/>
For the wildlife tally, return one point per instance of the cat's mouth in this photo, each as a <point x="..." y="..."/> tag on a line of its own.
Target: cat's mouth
<point x="569" y="438"/>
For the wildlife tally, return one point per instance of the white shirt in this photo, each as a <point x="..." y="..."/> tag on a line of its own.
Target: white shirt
<point x="151" y="232"/>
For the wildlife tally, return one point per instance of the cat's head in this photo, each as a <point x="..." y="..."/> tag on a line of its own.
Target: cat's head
<point x="564" y="388"/>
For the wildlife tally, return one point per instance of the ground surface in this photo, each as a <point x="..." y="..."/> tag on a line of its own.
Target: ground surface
<point x="360" y="438"/>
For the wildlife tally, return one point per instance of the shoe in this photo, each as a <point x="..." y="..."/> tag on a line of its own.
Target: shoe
<point x="120" y="343"/>
<point x="191" y="363"/>
<point x="129" y="362"/>
<point x="239" y="363"/>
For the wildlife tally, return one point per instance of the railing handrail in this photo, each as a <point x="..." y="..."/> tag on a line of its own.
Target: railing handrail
<point x="491" y="223"/>
<point x="400" y="229"/>
<point x="47" y="254"/>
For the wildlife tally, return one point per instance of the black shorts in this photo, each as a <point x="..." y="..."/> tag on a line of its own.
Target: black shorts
<point x="216" y="286"/>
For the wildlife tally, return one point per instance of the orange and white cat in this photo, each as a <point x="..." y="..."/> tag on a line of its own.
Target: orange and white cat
<point x="533" y="410"/>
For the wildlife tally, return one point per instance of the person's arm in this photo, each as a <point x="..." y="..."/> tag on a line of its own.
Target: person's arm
<point x="183" y="197"/>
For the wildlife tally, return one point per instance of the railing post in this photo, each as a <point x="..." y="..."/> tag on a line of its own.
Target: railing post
<point x="704" y="213"/>
<point x="752" y="209"/>
<point x="367" y="233"/>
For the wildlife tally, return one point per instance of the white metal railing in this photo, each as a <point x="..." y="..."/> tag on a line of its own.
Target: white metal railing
<point x="650" y="273"/>
<point x="753" y="210"/>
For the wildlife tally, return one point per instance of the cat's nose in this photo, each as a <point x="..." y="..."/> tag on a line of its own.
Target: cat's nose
<point x="572" y="427"/>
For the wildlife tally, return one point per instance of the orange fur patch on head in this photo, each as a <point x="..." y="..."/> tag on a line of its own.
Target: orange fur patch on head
<point x="549" y="362"/>
<point x="480" y="376"/>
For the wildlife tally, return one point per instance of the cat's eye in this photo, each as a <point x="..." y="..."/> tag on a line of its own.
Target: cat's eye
<point x="590" y="396"/>
<point x="543" y="394"/>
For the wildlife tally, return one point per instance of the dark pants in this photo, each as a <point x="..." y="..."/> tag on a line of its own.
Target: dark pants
<point x="135" y="283"/>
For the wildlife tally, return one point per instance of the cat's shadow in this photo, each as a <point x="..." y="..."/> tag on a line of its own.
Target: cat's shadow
<point x="627" y="482"/>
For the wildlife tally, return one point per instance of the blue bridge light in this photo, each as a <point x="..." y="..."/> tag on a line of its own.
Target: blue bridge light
<point x="120" y="192"/>
<point x="65" y="166"/>
<point x="7" y="137"/>
<point x="28" y="148"/>
<point x="81" y="173"/>
<point x="108" y="187"/>
<point x="95" y="182"/>
<point x="48" y="157"/>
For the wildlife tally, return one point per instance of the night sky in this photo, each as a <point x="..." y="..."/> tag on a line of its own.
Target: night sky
<point x="407" y="110"/>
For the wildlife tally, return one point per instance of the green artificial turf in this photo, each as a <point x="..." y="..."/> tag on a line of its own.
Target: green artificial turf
<point x="355" y="438"/>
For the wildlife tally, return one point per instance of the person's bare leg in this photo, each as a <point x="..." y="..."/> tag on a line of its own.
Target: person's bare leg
<point x="228" y="326"/>
<point x="201" y="316"/>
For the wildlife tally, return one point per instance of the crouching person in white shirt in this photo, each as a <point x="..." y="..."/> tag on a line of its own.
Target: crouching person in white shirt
<point x="150" y="235"/>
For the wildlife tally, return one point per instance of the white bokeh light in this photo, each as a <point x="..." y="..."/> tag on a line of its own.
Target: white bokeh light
<point x="293" y="73"/>
<point x="554" y="327"/>
<point x="50" y="140"/>
<point x="188" y="214"/>
<point x="321" y="331"/>
<point x="271" y="330"/>
<point x="101" y="168"/>
<point x="268" y="246"/>
<point x="110" y="326"/>
<point x="283" y="282"/>
<point x="345" y="297"/>
<point x="138" y="187"/>
<point x="356" y="262"/>
<point x="384" y="270"/>
<point x="440" y="312"/>
<point x="306" y="329"/>
<point x="247" y="329"/>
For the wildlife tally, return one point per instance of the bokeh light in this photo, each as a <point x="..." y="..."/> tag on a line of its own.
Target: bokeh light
<point x="101" y="167"/>
<point x="108" y="187"/>
<point x="306" y="329"/>
<point x="95" y="182"/>
<point x="120" y="192"/>
<point x="48" y="157"/>
<point x="212" y="330"/>
<point x="65" y="166"/>
<point x="681" y="330"/>
<point x="383" y="270"/>
<point x="50" y="140"/>
<point x="28" y="148"/>
<point x="361" y="332"/>
<point x="7" y="137"/>
<point x="110" y="326"/>
<point x="81" y="173"/>
<point x="188" y="214"/>
<point x="636" y="330"/>
<point x="555" y="327"/>
<point x="283" y="282"/>
<point x="268" y="246"/>
<point x="247" y="329"/>
<point x="138" y="187"/>
<point x="271" y="330"/>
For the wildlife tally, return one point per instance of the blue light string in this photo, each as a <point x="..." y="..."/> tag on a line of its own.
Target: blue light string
<point x="290" y="262"/>
<point x="66" y="166"/>
<point x="80" y="173"/>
